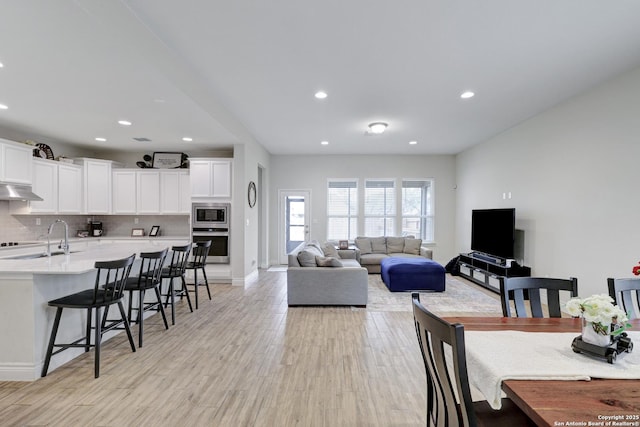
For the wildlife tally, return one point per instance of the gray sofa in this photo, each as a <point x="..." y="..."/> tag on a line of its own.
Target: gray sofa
<point x="374" y="249"/>
<point x="343" y="283"/>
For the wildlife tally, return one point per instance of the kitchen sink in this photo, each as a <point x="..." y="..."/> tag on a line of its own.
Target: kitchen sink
<point x="39" y="255"/>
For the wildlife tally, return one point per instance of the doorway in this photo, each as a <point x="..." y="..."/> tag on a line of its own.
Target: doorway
<point x="294" y="220"/>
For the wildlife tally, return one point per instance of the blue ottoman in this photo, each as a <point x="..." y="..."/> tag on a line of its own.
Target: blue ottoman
<point x="412" y="274"/>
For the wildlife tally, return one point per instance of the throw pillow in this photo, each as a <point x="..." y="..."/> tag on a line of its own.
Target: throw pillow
<point x="328" y="261"/>
<point x="307" y="258"/>
<point x="379" y="245"/>
<point x="364" y="244"/>
<point x="314" y="244"/>
<point x="412" y="246"/>
<point x="330" y="250"/>
<point x="395" y="245"/>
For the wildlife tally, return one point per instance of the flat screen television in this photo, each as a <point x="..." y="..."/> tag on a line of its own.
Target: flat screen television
<point x="493" y="231"/>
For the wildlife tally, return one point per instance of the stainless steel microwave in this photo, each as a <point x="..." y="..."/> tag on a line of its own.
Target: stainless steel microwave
<point x="210" y="215"/>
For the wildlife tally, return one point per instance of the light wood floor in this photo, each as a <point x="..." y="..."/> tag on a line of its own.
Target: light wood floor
<point x="243" y="359"/>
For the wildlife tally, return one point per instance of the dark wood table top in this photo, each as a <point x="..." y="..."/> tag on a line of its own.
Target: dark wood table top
<point x="564" y="403"/>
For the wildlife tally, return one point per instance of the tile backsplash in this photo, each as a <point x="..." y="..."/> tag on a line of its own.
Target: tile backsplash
<point x="17" y="228"/>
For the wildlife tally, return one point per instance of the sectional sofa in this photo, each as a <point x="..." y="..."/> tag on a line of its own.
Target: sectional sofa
<point x="322" y="275"/>
<point x="374" y="249"/>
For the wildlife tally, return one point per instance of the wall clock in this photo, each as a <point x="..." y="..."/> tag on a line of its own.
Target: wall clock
<point x="251" y="194"/>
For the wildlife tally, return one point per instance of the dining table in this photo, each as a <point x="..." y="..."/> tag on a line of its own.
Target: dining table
<point x="551" y="402"/>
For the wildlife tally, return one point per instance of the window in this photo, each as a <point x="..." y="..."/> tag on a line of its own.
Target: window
<point x="417" y="209"/>
<point x="342" y="209"/>
<point x="379" y="208"/>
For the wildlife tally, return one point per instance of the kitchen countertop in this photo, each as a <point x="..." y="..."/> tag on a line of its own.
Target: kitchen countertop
<point x="84" y="254"/>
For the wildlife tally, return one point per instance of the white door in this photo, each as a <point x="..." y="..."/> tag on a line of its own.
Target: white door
<point x="294" y="220"/>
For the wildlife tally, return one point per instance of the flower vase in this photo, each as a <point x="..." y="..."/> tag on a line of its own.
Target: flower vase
<point x="591" y="336"/>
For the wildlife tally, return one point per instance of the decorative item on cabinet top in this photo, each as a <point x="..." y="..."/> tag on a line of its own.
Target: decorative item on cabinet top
<point x="164" y="160"/>
<point x="43" y="151"/>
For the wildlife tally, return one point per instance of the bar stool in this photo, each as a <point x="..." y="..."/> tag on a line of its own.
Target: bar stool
<point x="200" y="252"/>
<point x="108" y="290"/>
<point x="175" y="269"/>
<point x="149" y="277"/>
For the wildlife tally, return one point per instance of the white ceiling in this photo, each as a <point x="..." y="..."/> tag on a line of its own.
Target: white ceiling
<point x="226" y="72"/>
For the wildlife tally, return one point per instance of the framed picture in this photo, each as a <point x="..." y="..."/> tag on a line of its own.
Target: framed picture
<point x="155" y="230"/>
<point x="343" y="244"/>
<point x="137" y="232"/>
<point x="166" y="160"/>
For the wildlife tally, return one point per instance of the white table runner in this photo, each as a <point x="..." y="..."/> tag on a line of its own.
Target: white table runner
<point x="495" y="356"/>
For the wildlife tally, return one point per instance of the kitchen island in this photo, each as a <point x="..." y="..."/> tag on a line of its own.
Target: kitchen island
<point x="26" y="285"/>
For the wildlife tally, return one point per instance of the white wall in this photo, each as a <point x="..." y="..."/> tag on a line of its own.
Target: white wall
<point x="311" y="173"/>
<point x="573" y="172"/>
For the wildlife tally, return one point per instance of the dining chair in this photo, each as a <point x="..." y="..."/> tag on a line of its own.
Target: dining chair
<point x="624" y="292"/>
<point x="175" y="270"/>
<point x="108" y="290"/>
<point x="199" y="261"/>
<point x="148" y="278"/>
<point x="521" y="289"/>
<point x="449" y="400"/>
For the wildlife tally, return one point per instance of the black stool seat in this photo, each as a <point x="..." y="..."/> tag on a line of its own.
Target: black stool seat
<point x="85" y="299"/>
<point x="108" y="290"/>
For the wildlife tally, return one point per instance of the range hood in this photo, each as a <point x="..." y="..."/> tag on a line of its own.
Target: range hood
<point x="17" y="192"/>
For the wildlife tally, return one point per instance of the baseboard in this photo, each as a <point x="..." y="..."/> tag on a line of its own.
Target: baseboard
<point x="19" y="372"/>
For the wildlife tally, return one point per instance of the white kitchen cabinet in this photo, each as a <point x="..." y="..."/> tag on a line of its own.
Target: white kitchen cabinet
<point x="148" y="188"/>
<point x="175" y="192"/>
<point x="69" y="189"/>
<point x="211" y="177"/>
<point x="15" y="162"/>
<point x="45" y="185"/>
<point x="59" y="185"/>
<point x="96" y="185"/>
<point x="124" y="191"/>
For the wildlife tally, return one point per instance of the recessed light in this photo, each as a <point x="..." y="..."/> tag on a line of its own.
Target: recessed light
<point x="3" y="107"/>
<point x="321" y="94"/>
<point x="1" y="65"/>
<point x="124" y="122"/>
<point x="466" y="95"/>
<point x="187" y="139"/>
<point x="377" y="127"/>
<point x="324" y="142"/>
<point x="413" y="142"/>
<point x="101" y="139"/>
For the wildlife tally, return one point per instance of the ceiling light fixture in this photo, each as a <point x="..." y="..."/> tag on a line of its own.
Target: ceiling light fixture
<point x="324" y="142"/>
<point x="187" y="139"/>
<point x="321" y="94"/>
<point x="413" y="142"/>
<point x="377" y="127"/>
<point x="466" y="95"/>
<point x="101" y="139"/>
<point x="1" y="65"/>
<point x="3" y="107"/>
<point x="124" y="122"/>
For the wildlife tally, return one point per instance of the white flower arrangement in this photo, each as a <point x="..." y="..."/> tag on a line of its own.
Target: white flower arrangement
<point x="600" y="311"/>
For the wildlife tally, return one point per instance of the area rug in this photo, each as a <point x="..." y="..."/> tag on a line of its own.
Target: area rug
<point x="459" y="298"/>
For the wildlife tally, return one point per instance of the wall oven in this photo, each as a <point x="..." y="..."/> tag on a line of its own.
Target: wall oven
<point x="210" y="221"/>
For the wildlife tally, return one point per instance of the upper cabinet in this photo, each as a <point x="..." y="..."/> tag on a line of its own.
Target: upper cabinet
<point x="148" y="192"/>
<point x="15" y="162"/>
<point x="59" y="185"/>
<point x="96" y="185"/>
<point x="175" y="192"/>
<point x="211" y="178"/>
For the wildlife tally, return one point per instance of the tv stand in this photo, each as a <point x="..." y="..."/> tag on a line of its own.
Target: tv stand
<point x="486" y="270"/>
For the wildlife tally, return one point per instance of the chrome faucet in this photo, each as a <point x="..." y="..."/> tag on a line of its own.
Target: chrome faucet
<point x="65" y="245"/>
